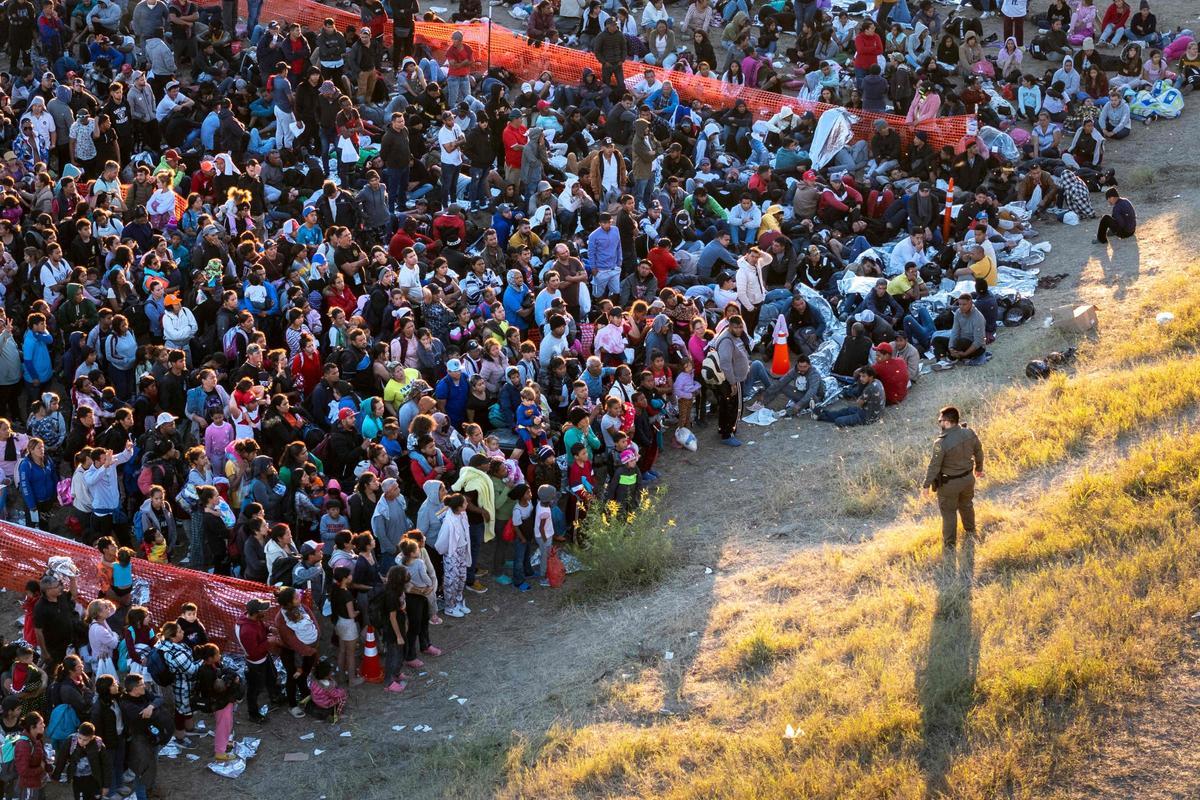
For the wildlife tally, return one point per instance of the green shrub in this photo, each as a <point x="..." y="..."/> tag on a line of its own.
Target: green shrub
<point x="622" y="550"/>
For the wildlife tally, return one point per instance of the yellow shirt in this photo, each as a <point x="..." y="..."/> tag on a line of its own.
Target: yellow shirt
<point x="899" y="285"/>
<point x="395" y="393"/>
<point x="986" y="267"/>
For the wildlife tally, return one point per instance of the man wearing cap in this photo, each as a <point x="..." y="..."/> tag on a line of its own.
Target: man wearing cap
<point x="956" y="462"/>
<point x="892" y="373"/>
<point x="256" y="640"/>
<point x="362" y="60"/>
<point x="450" y="141"/>
<point x="459" y="61"/>
<point x="389" y="523"/>
<point x="452" y="392"/>
<point x="611" y="50"/>
<point x="179" y="325"/>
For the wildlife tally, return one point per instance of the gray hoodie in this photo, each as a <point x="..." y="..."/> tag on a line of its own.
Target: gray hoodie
<point x="429" y="517"/>
<point x="10" y="360"/>
<point x="389" y="523"/>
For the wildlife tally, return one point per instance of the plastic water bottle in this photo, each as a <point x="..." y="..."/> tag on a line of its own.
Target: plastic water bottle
<point x="21" y="518"/>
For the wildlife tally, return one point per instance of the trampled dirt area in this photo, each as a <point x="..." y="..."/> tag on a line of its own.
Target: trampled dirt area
<point x="525" y="663"/>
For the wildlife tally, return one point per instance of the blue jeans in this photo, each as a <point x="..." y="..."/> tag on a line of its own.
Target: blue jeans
<point x="739" y="237"/>
<point x="642" y="193"/>
<point x="450" y="182"/>
<point x="759" y="375"/>
<point x="521" y="568"/>
<point x="476" y="531"/>
<point x="475" y="193"/>
<point x="457" y="89"/>
<point x="918" y="326"/>
<point x="858" y="246"/>
<point x="396" y="181"/>
<point x="846" y="417"/>
<point x="253" y="9"/>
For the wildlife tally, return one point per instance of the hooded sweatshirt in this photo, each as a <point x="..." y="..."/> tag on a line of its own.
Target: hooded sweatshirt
<point x="389" y="523"/>
<point x="429" y="516"/>
<point x="262" y="489"/>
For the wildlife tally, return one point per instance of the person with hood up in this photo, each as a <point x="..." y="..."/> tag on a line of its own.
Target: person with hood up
<point x="645" y="150"/>
<point x="77" y="312"/>
<point x="429" y="522"/>
<point x="534" y="157"/>
<point x="1009" y="60"/>
<point x="751" y="285"/>
<point x="389" y="523"/>
<point x="454" y="545"/>
<point x="658" y="339"/>
<point x="919" y="46"/>
<point x="264" y="488"/>
<point x="1068" y="76"/>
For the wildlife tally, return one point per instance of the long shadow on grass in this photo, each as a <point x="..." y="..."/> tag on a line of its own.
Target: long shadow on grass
<point x="946" y="684"/>
<point x="1125" y="250"/>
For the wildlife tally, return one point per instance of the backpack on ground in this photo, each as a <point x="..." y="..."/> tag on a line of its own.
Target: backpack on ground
<point x="1015" y="311"/>
<point x="160" y="671"/>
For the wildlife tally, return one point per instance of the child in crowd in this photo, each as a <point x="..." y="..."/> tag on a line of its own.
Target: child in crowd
<point x="326" y="698"/>
<point x="154" y="546"/>
<point x="217" y="437"/>
<point x="332" y="522"/>
<point x="543" y="528"/>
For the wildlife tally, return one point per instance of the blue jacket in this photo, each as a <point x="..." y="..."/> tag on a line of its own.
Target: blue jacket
<point x="121" y="351"/>
<point x="38" y="484"/>
<point x="604" y="250"/>
<point x="36" y="356"/>
<point x="272" y="299"/>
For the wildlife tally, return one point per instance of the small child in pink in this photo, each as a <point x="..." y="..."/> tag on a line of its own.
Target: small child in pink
<point x="217" y="436"/>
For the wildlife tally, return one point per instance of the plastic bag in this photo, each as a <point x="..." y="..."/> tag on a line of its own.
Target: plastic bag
<point x="556" y="573"/>
<point x="686" y="438"/>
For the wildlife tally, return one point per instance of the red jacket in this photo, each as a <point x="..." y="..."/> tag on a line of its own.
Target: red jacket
<point x="514" y="134"/>
<point x="30" y="756"/>
<point x="867" y="49"/>
<point x="252" y="635"/>
<point x="1114" y="16"/>
<point x="662" y="261"/>
<point x="308" y="369"/>
<point x="830" y="204"/>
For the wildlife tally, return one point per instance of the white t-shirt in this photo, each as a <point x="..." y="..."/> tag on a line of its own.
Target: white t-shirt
<point x="450" y="136"/>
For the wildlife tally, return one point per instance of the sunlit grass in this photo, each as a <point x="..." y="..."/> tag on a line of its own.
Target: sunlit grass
<point x="969" y="678"/>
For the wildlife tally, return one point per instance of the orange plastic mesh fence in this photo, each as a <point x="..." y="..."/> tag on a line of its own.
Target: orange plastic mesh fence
<point x="495" y="45"/>
<point x="219" y="600"/>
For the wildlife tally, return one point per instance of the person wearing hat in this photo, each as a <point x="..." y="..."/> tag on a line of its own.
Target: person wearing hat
<point x="179" y="325"/>
<point x="611" y="50"/>
<point x="364" y="59"/>
<point x="514" y="137"/>
<point x="892" y="373"/>
<point x="254" y="636"/>
<point x="450" y="140"/>
<point x="452" y="393"/>
<point x="389" y="522"/>
<point x="956" y="462"/>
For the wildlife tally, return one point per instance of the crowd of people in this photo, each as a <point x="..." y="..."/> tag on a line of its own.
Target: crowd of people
<point x="378" y="326"/>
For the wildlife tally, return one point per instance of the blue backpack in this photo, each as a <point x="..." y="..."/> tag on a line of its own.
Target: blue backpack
<point x="63" y="723"/>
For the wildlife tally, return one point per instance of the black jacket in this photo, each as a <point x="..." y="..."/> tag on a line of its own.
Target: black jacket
<point x="479" y="148"/>
<point x="395" y="150"/>
<point x="347" y="211"/>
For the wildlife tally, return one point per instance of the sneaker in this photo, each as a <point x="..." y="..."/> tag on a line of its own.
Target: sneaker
<point x="395" y="686"/>
<point x="732" y="441"/>
<point x="432" y="651"/>
<point x="454" y="612"/>
<point x="945" y="363"/>
<point x="297" y="712"/>
<point x="415" y="663"/>
<point x="524" y="587"/>
<point x="653" y="474"/>
<point x="755" y="406"/>
<point x="463" y="608"/>
<point x="476" y="587"/>
<point x="503" y="580"/>
<point x="436" y="620"/>
<point x="482" y="573"/>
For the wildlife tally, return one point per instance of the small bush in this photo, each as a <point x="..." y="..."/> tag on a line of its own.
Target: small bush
<point x="622" y="550"/>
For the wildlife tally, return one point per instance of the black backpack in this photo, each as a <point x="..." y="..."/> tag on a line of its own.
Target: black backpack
<point x="281" y="570"/>
<point x="377" y="613"/>
<point x="1014" y="311"/>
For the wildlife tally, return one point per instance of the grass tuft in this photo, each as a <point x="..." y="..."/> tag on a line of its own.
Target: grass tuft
<point x="622" y="550"/>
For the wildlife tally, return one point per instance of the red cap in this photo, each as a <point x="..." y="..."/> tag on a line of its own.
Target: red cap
<point x="346" y="413"/>
<point x="543" y="105"/>
<point x="884" y="347"/>
<point x="811" y="175"/>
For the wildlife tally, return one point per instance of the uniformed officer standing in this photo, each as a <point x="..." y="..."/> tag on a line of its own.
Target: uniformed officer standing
<point x="956" y="462"/>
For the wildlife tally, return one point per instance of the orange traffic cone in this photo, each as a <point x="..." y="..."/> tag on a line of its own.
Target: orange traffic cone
<point x="949" y="211"/>
<point x="781" y="361"/>
<point x="370" y="670"/>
